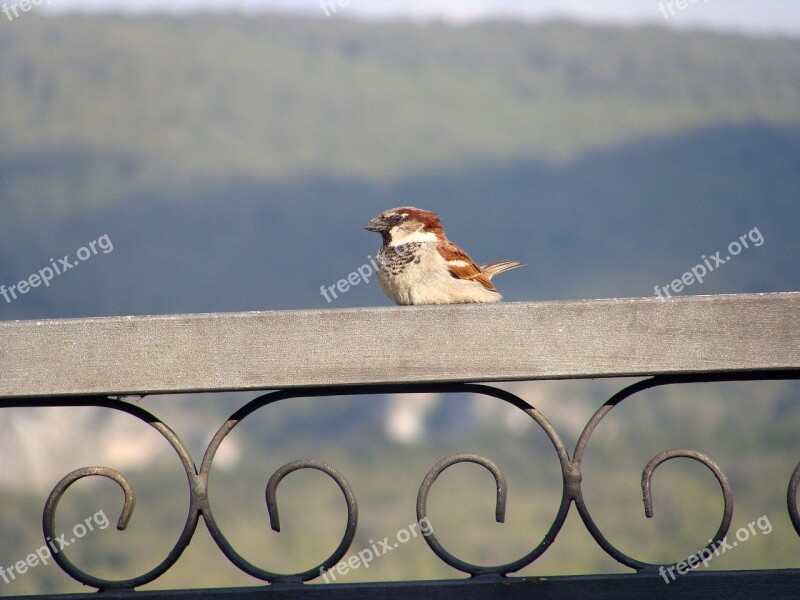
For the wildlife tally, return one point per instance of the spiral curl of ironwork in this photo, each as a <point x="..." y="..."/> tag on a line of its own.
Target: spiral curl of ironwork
<point x="580" y="448"/>
<point x="501" y="488"/>
<point x="49" y="512"/>
<point x="198" y="480"/>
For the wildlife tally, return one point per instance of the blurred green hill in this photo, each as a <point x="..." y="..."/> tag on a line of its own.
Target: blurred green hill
<point x="278" y="97"/>
<point x="229" y="153"/>
<point x="612" y="223"/>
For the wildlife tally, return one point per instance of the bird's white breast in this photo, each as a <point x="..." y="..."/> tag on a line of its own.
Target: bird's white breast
<point x="415" y="273"/>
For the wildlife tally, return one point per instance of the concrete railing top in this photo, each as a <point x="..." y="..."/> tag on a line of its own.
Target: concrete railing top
<point x="507" y="341"/>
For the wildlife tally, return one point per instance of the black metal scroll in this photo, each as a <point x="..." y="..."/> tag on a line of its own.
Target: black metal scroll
<point x="572" y="493"/>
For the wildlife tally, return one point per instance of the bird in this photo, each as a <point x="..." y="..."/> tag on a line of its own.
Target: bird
<point x="417" y="264"/>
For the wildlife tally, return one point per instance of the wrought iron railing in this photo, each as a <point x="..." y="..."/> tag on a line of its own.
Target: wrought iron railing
<point x="763" y="334"/>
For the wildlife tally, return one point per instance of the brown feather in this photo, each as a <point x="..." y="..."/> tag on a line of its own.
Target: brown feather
<point x="429" y="219"/>
<point x="500" y="266"/>
<point x="469" y="271"/>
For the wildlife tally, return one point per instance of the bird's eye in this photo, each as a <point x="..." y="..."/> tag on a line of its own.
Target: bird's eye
<point x="395" y="218"/>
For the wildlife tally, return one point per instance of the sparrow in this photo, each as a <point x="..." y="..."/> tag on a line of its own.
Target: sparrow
<point x="417" y="264"/>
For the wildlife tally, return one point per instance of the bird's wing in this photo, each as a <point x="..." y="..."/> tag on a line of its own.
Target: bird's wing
<point x="461" y="266"/>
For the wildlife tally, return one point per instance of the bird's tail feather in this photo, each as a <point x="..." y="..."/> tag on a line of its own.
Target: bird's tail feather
<point x="499" y="266"/>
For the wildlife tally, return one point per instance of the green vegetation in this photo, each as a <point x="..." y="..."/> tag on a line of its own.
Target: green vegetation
<point x="717" y="419"/>
<point x="279" y="97"/>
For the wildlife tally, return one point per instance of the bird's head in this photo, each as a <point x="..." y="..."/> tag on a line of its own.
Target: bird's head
<point x="406" y="224"/>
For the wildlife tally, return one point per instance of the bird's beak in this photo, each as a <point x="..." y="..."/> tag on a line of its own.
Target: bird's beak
<point x="376" y="224"/>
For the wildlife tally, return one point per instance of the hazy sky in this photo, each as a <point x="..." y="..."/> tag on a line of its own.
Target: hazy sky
<point x="760" y="16"/>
